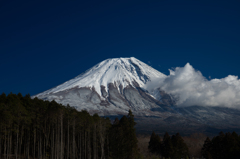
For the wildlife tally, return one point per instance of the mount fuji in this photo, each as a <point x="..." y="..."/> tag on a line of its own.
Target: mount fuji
<point x="114" y="86"/>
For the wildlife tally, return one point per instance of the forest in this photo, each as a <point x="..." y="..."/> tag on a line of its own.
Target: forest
<point x="223" y="146"/>
<point x="34" y="128"/>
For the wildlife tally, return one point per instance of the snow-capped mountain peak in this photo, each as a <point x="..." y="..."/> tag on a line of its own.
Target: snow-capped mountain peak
<point x="119" y="71"/>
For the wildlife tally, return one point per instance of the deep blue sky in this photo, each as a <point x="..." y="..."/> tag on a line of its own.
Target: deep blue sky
<point x="43" y="44"/>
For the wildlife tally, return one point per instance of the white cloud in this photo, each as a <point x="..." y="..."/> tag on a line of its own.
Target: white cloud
<point x="192" y="88"/>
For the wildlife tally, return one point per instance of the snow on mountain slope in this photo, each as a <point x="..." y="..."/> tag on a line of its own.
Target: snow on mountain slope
<point x="119" y="71"/>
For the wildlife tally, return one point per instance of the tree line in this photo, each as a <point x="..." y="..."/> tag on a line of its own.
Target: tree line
<point x="222" y="146"/>
<point x="33" y="128"/>
<point x="170" y="147"/>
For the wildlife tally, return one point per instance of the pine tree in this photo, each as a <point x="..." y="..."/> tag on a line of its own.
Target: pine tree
<point x="166" y="146"/>
<point x="206" y="149"/>
<point x="180" y="149"/>
<point x="132" y="135"/>
<point x="154" y="144"/>
<point x="123" y="138"/>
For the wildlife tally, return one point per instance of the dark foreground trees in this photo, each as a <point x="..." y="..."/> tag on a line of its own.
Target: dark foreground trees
<point x="222" y="146"/>
<point x="33" y="128"/>
<point x="155" y="144"/>
<point x="123" y="137"/>
<point x="170" y="147"/>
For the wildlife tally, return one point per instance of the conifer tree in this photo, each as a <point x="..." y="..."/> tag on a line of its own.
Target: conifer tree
<point x="154" y="144"/>
<point x="134" y="153"/>
<point x="206" y="149"/>
<point x="123" y="138"/>
<point x="166" y="146"/>
<point x="180" y="149"/>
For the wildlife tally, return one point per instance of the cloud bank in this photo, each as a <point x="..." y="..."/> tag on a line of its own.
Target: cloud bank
<point x="192" y="88"/>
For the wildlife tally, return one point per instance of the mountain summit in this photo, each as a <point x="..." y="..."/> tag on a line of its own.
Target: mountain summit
<point x="112" y="86"/>
<point x="122" y="72"/>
